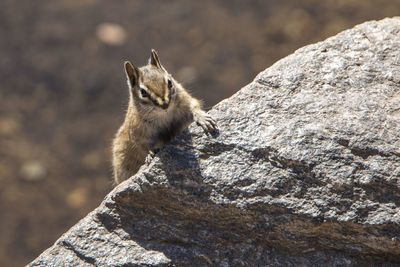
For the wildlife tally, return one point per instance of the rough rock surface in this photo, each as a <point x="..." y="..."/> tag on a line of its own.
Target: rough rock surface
<point x="305" y="171"/>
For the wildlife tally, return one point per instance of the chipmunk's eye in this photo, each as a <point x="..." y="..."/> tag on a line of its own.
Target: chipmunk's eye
<point x="144" y="92"/>
<point x="169" y="84"/>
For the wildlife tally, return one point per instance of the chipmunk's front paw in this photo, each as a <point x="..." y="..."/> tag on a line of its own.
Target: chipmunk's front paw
<point x="151" y="155"/>
<point x="206" y="122"/>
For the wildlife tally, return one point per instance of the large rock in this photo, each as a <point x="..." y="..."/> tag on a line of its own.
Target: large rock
<point x="304" y="172"/>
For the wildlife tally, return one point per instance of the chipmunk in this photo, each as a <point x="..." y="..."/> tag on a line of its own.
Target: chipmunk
<point x="159" y="109"/>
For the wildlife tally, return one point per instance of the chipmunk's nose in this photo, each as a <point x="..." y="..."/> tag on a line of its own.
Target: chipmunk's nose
<point x="164" y="105"/>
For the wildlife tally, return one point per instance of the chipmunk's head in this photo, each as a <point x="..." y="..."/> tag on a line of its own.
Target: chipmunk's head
<point x="151" y="86"/>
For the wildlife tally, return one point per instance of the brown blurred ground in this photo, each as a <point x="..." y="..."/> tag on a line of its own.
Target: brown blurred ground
<point x="63" y="92"/>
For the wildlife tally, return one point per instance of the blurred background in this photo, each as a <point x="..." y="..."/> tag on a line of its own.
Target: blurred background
<point x="63" y="92"/>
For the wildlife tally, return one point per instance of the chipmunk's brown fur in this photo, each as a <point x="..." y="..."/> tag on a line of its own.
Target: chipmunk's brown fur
<point x="159" y="109"/>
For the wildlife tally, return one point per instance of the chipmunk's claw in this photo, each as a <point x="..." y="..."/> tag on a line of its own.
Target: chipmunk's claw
<point x="206" y="122"/>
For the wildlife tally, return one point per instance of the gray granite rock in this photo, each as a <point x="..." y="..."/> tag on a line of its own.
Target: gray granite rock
<point x="305" y="171"/>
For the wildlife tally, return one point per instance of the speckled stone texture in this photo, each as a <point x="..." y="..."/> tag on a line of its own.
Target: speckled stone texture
<point x="305" y="171"/>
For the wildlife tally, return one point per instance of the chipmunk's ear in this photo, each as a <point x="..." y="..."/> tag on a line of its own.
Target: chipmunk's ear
<point x="154" y="60"/>
<point x="132" y="73"/>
